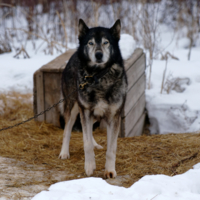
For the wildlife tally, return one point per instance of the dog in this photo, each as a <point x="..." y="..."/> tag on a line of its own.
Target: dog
<point x="96" y="73"/>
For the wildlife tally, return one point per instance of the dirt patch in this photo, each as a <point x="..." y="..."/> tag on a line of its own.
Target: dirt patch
<point x="38" y="146"/>
<point x="19" y="180"/>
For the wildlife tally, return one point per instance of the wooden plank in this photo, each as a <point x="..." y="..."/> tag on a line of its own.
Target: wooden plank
<point x="58" y="63"/>
<point x="52" y="89"/>
<point x="135" y="113"/>
<point x="39" y="79"/>
<point x="35" y="93"/>
<point x="135" y="71"/>
<point x="138" y="128"/>
<point x="129" y="62"/>
<point x="134" y="94"/>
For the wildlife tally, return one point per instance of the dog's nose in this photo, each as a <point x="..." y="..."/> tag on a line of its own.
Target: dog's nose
<point x="98" y="55"/>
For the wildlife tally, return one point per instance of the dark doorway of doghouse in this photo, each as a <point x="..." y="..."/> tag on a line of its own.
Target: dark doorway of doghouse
<point x="77" y="125"/>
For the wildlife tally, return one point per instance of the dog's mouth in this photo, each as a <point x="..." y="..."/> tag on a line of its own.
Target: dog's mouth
<point x="99" y="61"/>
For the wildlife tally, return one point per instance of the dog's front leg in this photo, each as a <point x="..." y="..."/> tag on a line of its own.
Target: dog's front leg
<point x="87" y="124"/>
<point x="113" y="129"/>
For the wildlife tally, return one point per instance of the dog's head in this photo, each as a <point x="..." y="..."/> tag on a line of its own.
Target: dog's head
<point x="99" y="44"/>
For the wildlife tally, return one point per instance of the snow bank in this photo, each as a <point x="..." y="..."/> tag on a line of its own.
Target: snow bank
<point x="17" y="74"/>
<point x="178" y="111"/>
<point x="127" y="45"/>
<point x="159" y="187"/>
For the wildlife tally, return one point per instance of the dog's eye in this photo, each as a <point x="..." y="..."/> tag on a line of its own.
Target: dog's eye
<point x="106" y="42"/>
<point x="91" y="43"/>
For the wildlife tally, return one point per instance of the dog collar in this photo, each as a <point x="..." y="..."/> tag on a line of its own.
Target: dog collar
<point x="94" y="78"/>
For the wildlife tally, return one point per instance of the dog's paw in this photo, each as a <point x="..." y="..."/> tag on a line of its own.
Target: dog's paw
<point x="64" y="155"/>
<point x="97" y="146"/>
<point x="110" y="174"/>
<point x="90" y="167"/>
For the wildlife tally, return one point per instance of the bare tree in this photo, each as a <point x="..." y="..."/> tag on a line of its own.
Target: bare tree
<point x="148" y="31"/>
<point x="188" y="17"/>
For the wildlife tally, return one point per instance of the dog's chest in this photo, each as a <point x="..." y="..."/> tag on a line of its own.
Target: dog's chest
<point x="100" y="108"/>
<point x="105" y="96"/>
<point x="106" y="87"/>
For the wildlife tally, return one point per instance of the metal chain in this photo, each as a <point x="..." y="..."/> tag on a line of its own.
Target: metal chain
<point x="81" y="86"/>
<point x="35" y="116"/>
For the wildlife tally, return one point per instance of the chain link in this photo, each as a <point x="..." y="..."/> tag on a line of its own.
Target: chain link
<point x="37" y="115"/>
<point x="81" y="86"/>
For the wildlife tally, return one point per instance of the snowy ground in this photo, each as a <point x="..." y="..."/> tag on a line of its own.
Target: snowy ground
<point x="17" y="74"/>
<point x="178" y="111"/>
<point x="157" y="187"/>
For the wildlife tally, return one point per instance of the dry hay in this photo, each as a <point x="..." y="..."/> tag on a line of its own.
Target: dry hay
<point x="39" y="144"/>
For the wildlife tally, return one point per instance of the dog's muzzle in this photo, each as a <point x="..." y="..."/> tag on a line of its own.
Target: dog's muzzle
<point x="99" y="56"/>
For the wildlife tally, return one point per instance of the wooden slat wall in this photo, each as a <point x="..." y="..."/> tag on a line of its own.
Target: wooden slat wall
<point x="130" y="61"/>
<point x="52" y="89"/>
<point x="134" y="94"/>
<point x="133" y="113"/>
<point x="47" y="87"/>
<point x="136" y="71"/>
<point x="132" y="117"/>
<point x="138" y="128"/>
<point x="38" y="92"/>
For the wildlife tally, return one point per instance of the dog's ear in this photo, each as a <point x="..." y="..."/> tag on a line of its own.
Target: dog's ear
<point x="115" y="29"/>
<point x="82" y="27"/>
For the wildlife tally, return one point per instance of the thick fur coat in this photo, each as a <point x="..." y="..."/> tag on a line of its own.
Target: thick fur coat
<point x="96" y="72"/>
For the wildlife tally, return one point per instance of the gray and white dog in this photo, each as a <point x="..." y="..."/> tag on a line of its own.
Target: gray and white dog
<point x="96" y="72"/>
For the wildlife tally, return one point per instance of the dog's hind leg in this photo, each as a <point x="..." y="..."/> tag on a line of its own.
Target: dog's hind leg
<point x="87" y="124"/>
<point x="113" y="129"/>
<point x="97" y="146"/>
<point x="70" y="118"/>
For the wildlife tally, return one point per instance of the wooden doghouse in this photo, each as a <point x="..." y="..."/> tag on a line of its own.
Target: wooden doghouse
<point x="47" y="89"/>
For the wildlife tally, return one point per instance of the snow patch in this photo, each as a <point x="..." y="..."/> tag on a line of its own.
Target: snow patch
<point x="127" y="45"/>
<point x="185" y="186"/>
<point x="177" y="109"/>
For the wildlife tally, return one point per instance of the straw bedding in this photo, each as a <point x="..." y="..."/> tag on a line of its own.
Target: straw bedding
<point x="40" y="143"/>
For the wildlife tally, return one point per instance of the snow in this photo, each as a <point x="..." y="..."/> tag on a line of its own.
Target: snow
<point x="176" y="112"/>
<point x="179" y="110"/>
<point x="127" y="45"/>
<point x="158" y="187"/>
<point x="17" y="74"/>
